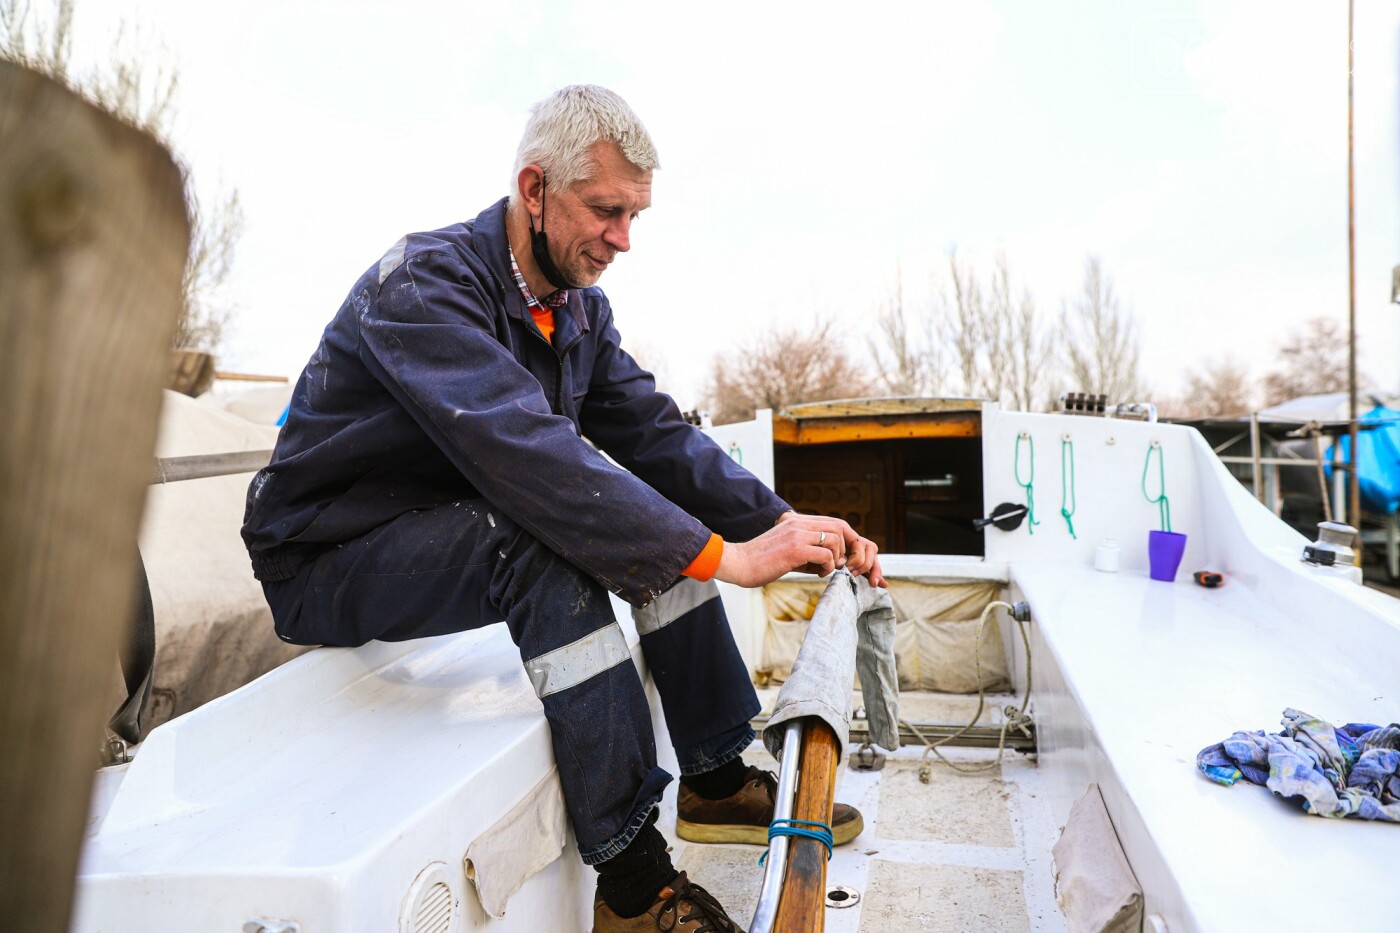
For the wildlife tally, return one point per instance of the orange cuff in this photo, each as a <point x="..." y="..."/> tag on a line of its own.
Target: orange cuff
<point x="707" y="561"/>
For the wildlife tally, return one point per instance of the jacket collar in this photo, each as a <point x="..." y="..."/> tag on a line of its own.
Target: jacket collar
<point x="489" y="240"/>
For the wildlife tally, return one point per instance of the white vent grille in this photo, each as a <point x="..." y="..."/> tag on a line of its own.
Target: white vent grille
<point x="434" y="914"/>
<point x="430" y="906"/>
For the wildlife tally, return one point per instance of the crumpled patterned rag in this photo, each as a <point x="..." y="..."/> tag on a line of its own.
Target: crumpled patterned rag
<point x="1353" y="770"/>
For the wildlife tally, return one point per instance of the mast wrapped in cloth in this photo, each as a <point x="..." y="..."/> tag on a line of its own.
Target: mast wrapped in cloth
<point x="852" y="630"/>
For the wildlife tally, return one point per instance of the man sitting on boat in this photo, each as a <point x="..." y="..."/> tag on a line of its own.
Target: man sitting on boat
<point x="432" y="477"/>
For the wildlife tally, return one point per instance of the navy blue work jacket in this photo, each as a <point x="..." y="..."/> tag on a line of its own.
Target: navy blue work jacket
<point x="432" y="384"/>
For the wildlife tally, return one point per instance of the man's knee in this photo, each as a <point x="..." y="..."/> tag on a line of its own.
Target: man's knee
<point x="560" y="617"/>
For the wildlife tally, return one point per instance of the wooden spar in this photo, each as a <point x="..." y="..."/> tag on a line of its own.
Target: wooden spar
<point x="93" y="237"/>
<point x="802" y="908"/>
<point x="846" y="429"/>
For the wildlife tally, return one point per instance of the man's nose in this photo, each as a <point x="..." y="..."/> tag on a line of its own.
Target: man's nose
<point x="618" y="234"/>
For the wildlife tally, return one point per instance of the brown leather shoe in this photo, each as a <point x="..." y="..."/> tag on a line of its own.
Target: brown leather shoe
<point x="681" y="907"/>
<point x="744" y="816"/>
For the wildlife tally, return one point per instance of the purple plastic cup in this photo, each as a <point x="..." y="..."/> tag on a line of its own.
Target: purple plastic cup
<point x="1164" y="550"/>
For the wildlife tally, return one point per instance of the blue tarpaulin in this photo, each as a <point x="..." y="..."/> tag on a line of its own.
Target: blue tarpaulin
<point x="1378" y="459"/>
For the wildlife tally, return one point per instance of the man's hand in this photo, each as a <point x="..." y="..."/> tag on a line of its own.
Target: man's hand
<point x="809" y="543"/>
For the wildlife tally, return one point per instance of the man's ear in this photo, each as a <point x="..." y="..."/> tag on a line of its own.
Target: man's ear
<point x="530" y="183"/>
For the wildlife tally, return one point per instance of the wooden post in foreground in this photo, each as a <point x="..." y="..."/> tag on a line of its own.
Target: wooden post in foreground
<point x="803" y="905"/>
<point x="93" y="237"/>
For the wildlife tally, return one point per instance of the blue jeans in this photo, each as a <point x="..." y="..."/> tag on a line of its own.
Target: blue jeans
<point x="465" y="564"/>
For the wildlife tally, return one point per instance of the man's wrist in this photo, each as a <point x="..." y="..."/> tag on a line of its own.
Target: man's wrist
<point x="705" y="564"/>
<point x="783" y="517"/>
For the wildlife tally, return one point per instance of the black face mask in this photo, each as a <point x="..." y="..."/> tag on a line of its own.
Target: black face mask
<point x="539" y="248"/>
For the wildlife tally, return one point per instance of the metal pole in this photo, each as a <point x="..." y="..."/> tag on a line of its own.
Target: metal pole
<point x="1321" y="477"/>
<point x="1355" y="509"/>
<point x="1339" y="483"/>
<point x="202" y="466"/>
<point x="776" y="865"/>
<point x="1255" y="455"/>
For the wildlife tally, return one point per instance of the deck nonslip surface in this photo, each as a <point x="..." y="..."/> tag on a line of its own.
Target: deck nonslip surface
<point x="964" y="852"/>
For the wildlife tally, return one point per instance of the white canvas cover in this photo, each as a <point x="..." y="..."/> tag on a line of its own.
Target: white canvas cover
<point x="1094" y="884"/>
<point x="935" y="632"/>
<point x="213" y="628"/>
<point x="517" y="846"/>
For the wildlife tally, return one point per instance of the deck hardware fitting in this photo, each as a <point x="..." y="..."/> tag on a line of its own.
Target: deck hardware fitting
<point x="116" y="751"/>
<point x="839" y="896"/>
<point x="866" y="758"/>
<point x="1007" y="517"/>
<point x="1333" y="545"/>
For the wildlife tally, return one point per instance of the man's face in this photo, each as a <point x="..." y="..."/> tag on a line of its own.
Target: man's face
<point x="590" y="222"/>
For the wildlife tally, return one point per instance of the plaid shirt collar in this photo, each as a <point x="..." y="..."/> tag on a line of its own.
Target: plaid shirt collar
<point x="552" y="302"/>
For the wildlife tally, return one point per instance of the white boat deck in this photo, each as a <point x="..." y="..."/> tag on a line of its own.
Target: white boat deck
<point x="1162" y="670"/>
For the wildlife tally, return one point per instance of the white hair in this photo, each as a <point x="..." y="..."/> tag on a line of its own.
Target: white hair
<point x="563" y="127"/>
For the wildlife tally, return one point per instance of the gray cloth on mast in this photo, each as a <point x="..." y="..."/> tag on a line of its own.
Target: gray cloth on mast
<point x="879" y="682"/>
<point x="850" y="610"/>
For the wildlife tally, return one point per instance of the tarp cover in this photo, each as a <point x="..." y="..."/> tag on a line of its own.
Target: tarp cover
<point x="519" y="844"/>
<point x="1094" y="884"/>
<point x="1378" y="459"/>
<point x="213" y="628"/>
<point x="935" y="632"/>
<point x="849" y="610"/>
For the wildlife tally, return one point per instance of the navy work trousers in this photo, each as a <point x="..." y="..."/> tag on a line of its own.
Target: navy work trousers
<point x="464" y="565"/>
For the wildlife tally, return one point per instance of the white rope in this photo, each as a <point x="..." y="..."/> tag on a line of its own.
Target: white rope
<point x="1013" y="717"/>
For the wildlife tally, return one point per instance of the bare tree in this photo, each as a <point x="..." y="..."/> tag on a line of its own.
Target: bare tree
<point x="1218" y="389"/>
<point x="1100" y="340"/>
<point x="963" y="323"/>
<point x="144" y="95"/>
<point x="1312" y="360"/>
<point x="784" y="367"/>
<point x="908" y="360"/>
<point x="1017" y="351"/>
<point x="995" y="334"/>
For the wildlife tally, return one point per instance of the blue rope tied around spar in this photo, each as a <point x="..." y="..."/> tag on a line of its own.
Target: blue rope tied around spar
<point x="820" y="832"/>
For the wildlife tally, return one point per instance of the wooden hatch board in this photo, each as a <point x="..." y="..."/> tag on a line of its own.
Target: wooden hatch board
<point x="798" y="431"/>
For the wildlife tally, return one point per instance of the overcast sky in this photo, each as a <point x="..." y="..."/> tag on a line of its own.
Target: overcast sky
<point x="810" y="150"/>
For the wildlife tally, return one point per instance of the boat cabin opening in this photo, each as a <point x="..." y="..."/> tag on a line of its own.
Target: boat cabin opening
<point x="906" y="473"/>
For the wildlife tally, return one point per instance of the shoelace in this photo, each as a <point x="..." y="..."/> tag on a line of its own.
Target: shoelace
<point x="703" y="908"/>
